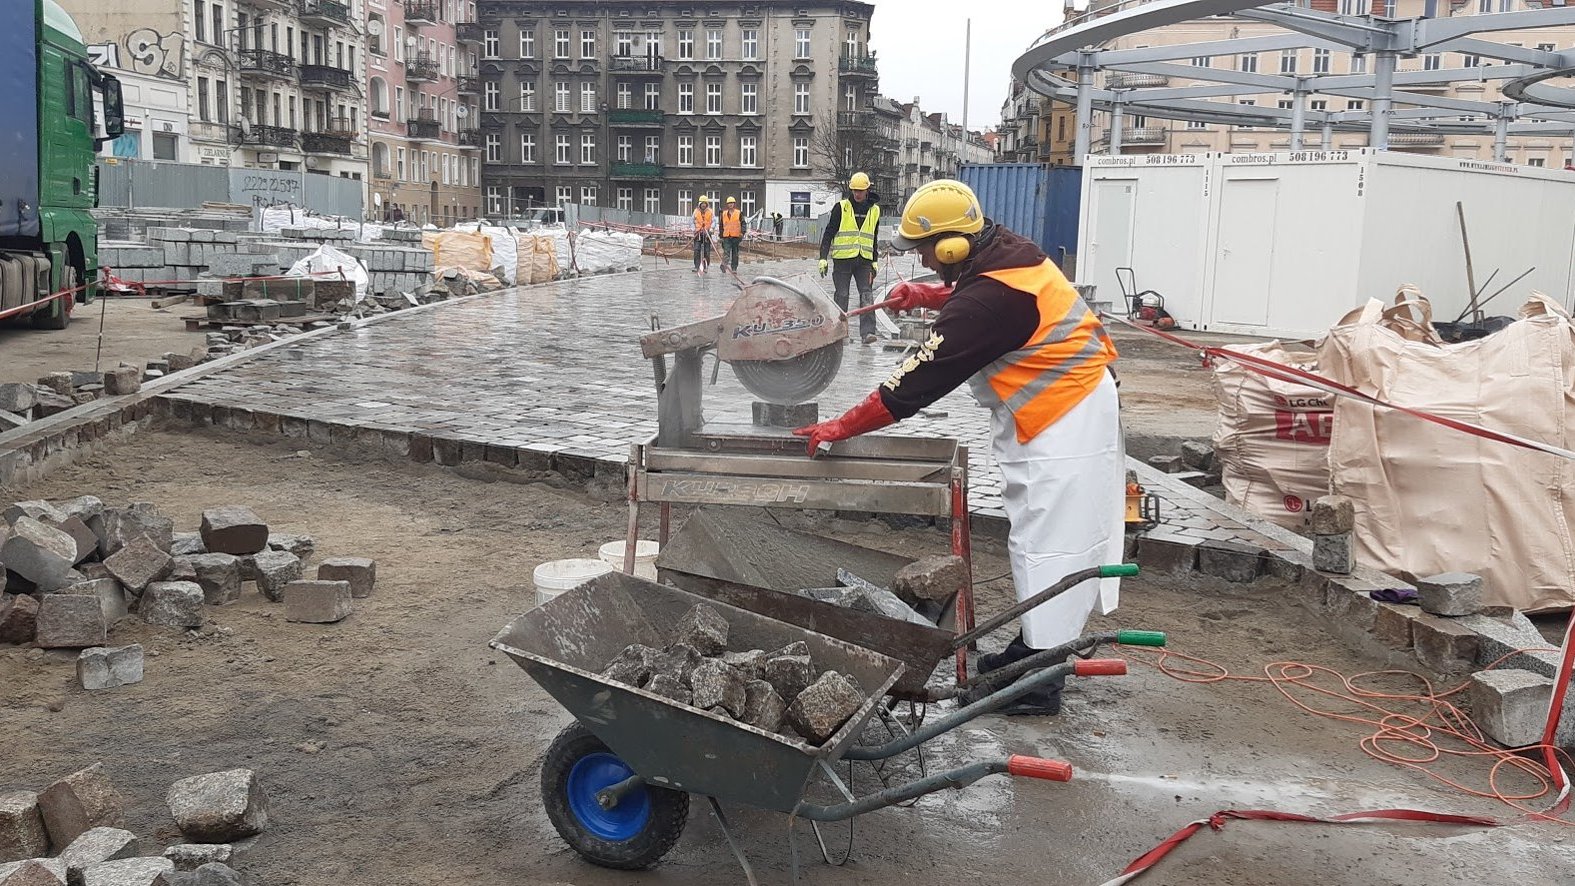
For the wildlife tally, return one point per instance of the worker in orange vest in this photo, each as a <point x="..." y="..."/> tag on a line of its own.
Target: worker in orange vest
<point x="1011" y="326"/>
<point x="733" y="227"/>
<point x="704" y="219"/>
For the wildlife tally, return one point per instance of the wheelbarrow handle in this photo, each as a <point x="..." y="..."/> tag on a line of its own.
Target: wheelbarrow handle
<point x="1110" y="570"/>
<point x="957" y="779"/>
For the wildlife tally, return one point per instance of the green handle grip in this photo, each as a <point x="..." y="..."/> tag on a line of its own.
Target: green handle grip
<point x="1141" y="638"/>
<point x="1118" y="570"/>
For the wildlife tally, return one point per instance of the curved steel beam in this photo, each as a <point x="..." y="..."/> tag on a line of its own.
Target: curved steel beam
<point x="1079" y="33"/>
<point x="1532" y="90"/>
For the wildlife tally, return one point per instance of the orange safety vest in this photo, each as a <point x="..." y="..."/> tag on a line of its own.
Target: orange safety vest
<point x="703" y="217"/>
<point x="1061" y="362"/>
<point x="732" y="223"/>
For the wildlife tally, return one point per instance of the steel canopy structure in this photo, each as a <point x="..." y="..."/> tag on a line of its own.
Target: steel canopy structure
<point x="1062" y="63"/>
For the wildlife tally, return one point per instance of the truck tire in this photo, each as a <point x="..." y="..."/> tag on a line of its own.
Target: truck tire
<point x="58" y="314"/>
<point x="632" y="836"/>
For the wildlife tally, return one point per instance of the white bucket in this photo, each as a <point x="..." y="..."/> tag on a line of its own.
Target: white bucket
<point x="645" y="552"/>
<point x="555" y="577"/>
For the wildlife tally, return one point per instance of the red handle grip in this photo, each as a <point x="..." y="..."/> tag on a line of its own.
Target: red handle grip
<point x="1039" y="767"/>
<point x="1100" y="667"/>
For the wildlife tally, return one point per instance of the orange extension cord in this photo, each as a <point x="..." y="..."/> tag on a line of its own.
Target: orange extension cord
<point x="1426" y="728"/>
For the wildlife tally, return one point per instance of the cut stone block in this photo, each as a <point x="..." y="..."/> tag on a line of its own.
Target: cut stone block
<point x="37" y="510"/>
<point x="233" y="529"/>
<point x="190" y="856"/>
<point x="773" y="415"/>
<point x="219" y="807"/>
<point x="22" y="833"/>
<point x="703" y="628"/>
<point x="763" y="707"/>
<point x="300" y="545"/>
<point x="81" y="801"/>
<point x="317" y="602"/>
<point x="110" y="667"/>
<point x="1333" y="553"/>
<point x="930" y="578"/>
<point x="185" y="544"/>
<point x="788" y="673"/>
<point x="752" y="663"/>
<point x="272" y="570"/>
<point x="176" y="604"/>
<point x="716" y="684"/>
<point x="138" y="563"/>
<point x="677" y="661"/>
<point x="1511" y="705"/>
<point x="41" y="554"/>
<point x="34" y="872"/>
<point x="69" y="621"/>
<point x="130" y="872"/>
<point x="360" y="572"/>
<point x="668" y="686"/>
<point x="1452" y="594"/>
<point x="122" y="380"/>
<point x="83" y="507"/>
<point x="1166" y="553"/>
<point x="87" y="542"/>
<point x="219" y="575"/>
<point x="18" y="397"/>
<point x="181" y="570"/>
<point x="1332" y="515"/>
<point x="116" y="527"/>
<point x="1169" y="464"/>
<point x="1443" y="644"/>
<point x="1232" y="561"/>
<point x="821" y="709"/>
<point x="633" y="665"/>
<point x="18" y="618"/>
<point x="1197" y="455"/>
<point x="96" y="846"/>
<point x="1392" y="625"/>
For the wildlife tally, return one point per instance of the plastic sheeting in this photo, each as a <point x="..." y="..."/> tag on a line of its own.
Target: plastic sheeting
<point x="505" y="249"/>
<point x="597" y="252"/>
<point x="327" y="258"/>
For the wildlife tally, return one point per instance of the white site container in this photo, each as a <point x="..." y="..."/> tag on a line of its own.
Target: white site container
<point x="645" y="553"/>
<point x="556" y="576"/>
<point x="1284" y="244"/>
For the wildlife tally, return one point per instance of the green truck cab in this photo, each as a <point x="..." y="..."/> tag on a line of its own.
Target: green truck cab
<point x="48" y="88"/>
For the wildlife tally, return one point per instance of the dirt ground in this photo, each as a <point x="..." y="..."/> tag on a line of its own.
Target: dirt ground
<point x="397" y="748"/>
<point x="133" y="331"/>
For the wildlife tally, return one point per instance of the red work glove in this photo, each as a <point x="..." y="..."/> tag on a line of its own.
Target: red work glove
<point x="870" y="415"/>
<point x="909" y="296"/>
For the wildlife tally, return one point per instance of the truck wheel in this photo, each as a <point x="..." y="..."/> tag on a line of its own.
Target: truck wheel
<point x="58" y="314"/>
<point x="631" y="836"/>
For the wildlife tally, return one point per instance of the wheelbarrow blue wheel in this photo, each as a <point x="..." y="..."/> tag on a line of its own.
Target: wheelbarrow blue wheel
<point x="633" y="835"/>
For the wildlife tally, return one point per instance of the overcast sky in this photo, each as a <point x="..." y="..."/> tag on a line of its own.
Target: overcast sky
<point x="920" y="47"/>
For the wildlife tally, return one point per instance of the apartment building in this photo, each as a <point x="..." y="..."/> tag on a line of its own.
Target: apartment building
<point x="423" y="99"/>
<point x="927" y="146"/>
<point x="648" y="105"/>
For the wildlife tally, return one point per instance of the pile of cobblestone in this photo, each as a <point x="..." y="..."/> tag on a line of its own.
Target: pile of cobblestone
<point x="73" y="832"/>
<point x="773" y="691"/>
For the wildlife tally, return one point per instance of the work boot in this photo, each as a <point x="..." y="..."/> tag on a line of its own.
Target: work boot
<point x="1014" y="652"/>
<point x="869" y="339"/>
<point x="1040" y="702"/>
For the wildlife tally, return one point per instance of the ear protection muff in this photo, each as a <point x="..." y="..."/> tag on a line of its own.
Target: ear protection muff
<point x="952" y="250"/>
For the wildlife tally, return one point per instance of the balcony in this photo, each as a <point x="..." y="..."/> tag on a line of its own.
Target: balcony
<point x="1142" y="135"/>
<point x="470" y="138"/>
<point x="259" y="135"/>
<point x="265" y="63"/>
<point x="1130" y="80"/>
<point x="469" y="85"/>
<point x="423" y="126"/>
<point x="326" y="143"/>
<point x="856" y="120"/>
<point x="421" y="67"/>
<point x="421" y="12"/>
<point x="469" y="32"/>
<point x="325" y="77"/>
<point x="636" y="64"/>
<point x="1416" y="140"/>
<point x="636" y="170"/>
<point x="857" y="66"/>
<point x="325" y="13"/>
<point x="635" y="117"/>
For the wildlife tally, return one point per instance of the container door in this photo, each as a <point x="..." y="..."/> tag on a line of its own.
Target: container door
<point x="1110" y="246"/>
<point x="1244" y="260"/>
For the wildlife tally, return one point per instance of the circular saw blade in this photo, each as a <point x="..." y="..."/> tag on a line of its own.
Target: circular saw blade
<point x="793" y="381"/>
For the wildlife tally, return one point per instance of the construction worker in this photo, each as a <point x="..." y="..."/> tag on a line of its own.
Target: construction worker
<point x="1012" y="326"/>
<point x="733" y="226"/>
<point x="849" y="238"/>
<point x="776" y="224"/>
<point x="704" y="218"/>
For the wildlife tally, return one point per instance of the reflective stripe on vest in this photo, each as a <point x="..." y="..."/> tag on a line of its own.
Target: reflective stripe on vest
<point x="854" y="240"/>
<point x="732" y="223"/>
<point x="703" y="219"/>
<point x="1061" y="362"/>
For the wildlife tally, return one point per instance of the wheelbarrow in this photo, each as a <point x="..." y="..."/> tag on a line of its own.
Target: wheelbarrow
<point x="616" y="784"/>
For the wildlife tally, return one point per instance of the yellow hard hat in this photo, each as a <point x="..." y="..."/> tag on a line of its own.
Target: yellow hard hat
<point x="731" y="200"/>
<point x="943" y="206"/>
<point x="859" y="182"/>
<point x="704" y="199"/>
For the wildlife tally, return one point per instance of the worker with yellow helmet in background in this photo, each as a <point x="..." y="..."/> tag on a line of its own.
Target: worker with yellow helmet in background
<point x="733" y="226"/>
<point x="704" y="219"/>
<point x="849" y="238"/>
<point x="1011" y="326"/>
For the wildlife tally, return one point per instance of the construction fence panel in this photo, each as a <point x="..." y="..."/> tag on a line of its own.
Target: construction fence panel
<point x="134" y="183"/>
<point x="576" y="215"/>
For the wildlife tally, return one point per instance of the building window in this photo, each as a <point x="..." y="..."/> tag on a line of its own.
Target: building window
<point x="202" y="98"/>
<point x="494" y="148"/>
<point x="1318" y="104"/>
<point x="713" y="43"/>
<point x="1358" y="63"/>
<point x="560" y="92"/>
<point x="587" y="44"/>
<point x="625" y="95"/>
<point x="399" y="103"/>
<point x="1247" y="63"/>
<point x="527" y="96"/>
<point x="587" y="98"/>
<point x="1484" y="6"/>
<point x="850" y="47"/>
<point x="625" y="148"/>
<point x="801" y="98"/>
<point x="560" y="43"/>
<point x="801" y="42"/>
<point x="527" y="147"/>
<point x="686" y="201"/>
<point x="713" y="150"/>
<point x="686" y="150"/>
<point x="1535" y="161"/>
<point x="1287" y="61"/>
<point x="1353" y="7"/>
<point x="751" y="44"/>
<point x="626" y="199"/>
<point x="489" y="95"/>
<point x="746" y="151"/>
<point x="199" y="18"/>
<point x="588" y="195"/>
<point x="564" y="195"/>
<point x="398" y="41"/>
<point x="653" y="43"/>
<point x="746" y="202"/>
<point x="800" y="152"/>
<point x="1320" y="61"/>
<point x="653" y="96"/>
<point x="748" y="98"/>
<point x="798" y="203"/>
<point x="1356" y="104"/>
<point x="587" y="150"/>
<point x="494" y="200"/>
<point x="850" y="98"/>
<point x="1470" y="61"/>
<point x="713" y="98"/>
<point x="653" y="200"/>
<point x="1284" y="104"/>
<point x="1201" y="61"/>
<point x="686" y="98"/>
<point x="1432" y="61"/>
<point x="653" y="149"/>
<point x="561" y="154"/>
<point x="1546" y="47"/>
<point x="623" y="44"/>
<point x="1191" y="124"/>
<point x="489" y="43"/>
<point x="221" y="100"/>
<point x="686" y="43"/>
<point x="527" y="44"/>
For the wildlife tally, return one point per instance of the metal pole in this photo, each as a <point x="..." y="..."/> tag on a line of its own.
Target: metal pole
<point x="1116" y="117"/>
<point x="1506" y="113"/>
<point x="1298" y="116"/>
<point x="967" y="62"/>
<point x="1328" y="134"/>
<point x="1085" y="109"/>
<point x="1383" y="99"/>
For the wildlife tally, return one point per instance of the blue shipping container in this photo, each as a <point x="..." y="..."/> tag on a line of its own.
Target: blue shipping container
<point x="1039" y="202"/>
<point x="19" y="110"/>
